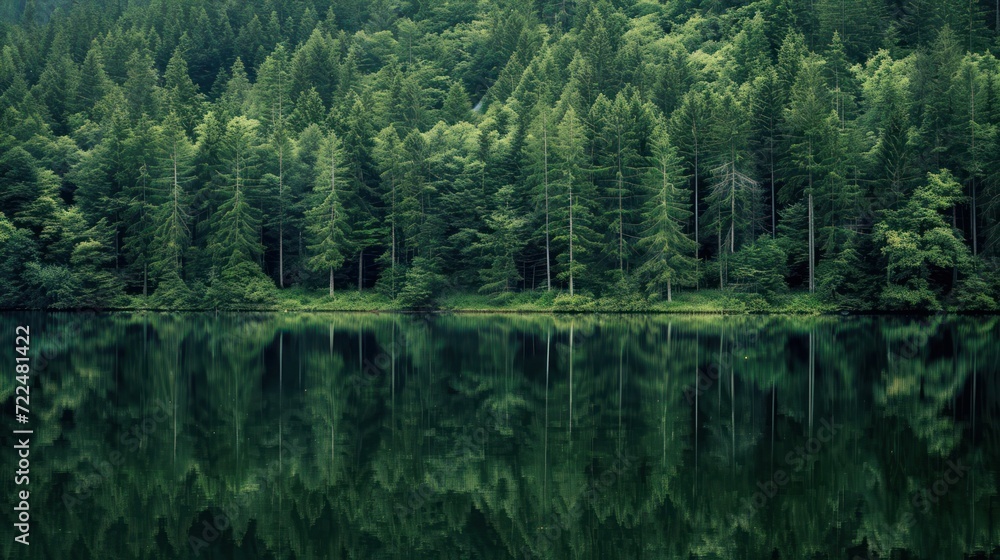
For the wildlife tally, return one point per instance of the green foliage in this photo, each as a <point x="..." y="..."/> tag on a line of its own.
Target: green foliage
<point x="498" y="248"/>
<point x="612" y="147"/>
<point x="422" y="285"/>
<point x="17" y="251"/>
<point x="919" y="245"/>
<point x="669" y="252"/>
<point x="326" y="219"/>
<point x="759" y="268"/>
<point x="241" y="285"/>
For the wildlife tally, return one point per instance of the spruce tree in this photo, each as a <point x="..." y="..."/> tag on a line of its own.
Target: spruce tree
<point x="669" y="254"/>
<point x="574" y="233"/>
<point x="326" y="219"/>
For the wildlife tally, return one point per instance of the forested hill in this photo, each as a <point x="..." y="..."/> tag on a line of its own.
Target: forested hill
<point x="189" y="153"/>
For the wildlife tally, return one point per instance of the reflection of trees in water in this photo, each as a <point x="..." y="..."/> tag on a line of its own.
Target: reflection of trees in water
<point x="311" y="431"/>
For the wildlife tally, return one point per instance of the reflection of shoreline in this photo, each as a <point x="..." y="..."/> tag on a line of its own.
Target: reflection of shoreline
<point x="798" y="459"/>
<point x="559" y="522"/>
<point x="923" y="500"/>
<point x="453" y="371"/>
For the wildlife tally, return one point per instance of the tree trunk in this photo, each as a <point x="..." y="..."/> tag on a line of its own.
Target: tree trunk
<point x="718" y="235"/>
<point x="697" y="243"/>
<point x="812" y="245"/>
<point x="361" y="270"/>
<point x="972" y="132"/>
<point x="571" y="239"/>
<point x="281" y="217"/>
<point x="770" y="158"/>
<point x="669" y="294"/>
<point x="545" y="173"/>
<point x="331" y="281"/>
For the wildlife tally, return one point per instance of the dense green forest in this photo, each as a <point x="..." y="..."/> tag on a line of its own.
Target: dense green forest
<point x="183" y="153"/>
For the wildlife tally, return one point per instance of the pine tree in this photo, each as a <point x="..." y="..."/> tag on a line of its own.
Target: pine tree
<point x="94" y="82"/>
<point x="272" y="103"/>
<point x="235" y="98"/>
<point x="456" y="105"/>
<point x="358" y="142"/>
<point x="308" y="110"/>
<point x="173" y="176"/>
<point x="236" y="237"/>
<point x="141" y="201"/>
<point x="326" y="219"/>
<point x="669" y="252"/>
<point x="387" y="152"/>
<point x="622" y="126"/>
<point x="766" y="106"/>
<point x="540" y="155"/>
<point x="689" y="128"/>
<point x="575" y="216"/>
<point x="498" y="247"/>
<point x="315" y="65"/>
<point x="732" y="211"/>
<point x="815" y="164"/>
<point x="180" y="93"/>
<point x="57" y="89"/>
<point x="140" y="86"/>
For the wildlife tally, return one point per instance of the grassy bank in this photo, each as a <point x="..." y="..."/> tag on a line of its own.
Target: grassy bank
<point x="703" y="301"/>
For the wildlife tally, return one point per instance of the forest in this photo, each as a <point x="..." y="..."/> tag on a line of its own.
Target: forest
<point x="187" y="154"/>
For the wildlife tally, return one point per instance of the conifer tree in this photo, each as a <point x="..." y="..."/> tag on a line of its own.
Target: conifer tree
<point x="181" y="94"/>
<point x="326" y="219"/>
<point x="539" y="150"/>
<point x="173" y="176"/>
<point x="669" y="253"/>
<point x="236" y="238"/>
<point x="576" y="194"/>
<point x="499" y="245"/>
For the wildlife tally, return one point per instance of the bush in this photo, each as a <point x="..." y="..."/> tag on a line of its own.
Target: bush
<point x="577" y="302"/>
<point x="172" y="293"/>
<point x="52" y="286"/>
<point x="914" y="295"/>
<point x="423" y="284"/>
<point x="239" y="286"/>
<point x="759" y="267"/>
<point x="973" y="294"/>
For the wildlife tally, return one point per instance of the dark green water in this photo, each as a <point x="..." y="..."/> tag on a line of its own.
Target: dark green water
<point x="505" y="436"/>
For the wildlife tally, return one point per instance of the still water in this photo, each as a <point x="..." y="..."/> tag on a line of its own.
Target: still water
<point x="370" y="436"/>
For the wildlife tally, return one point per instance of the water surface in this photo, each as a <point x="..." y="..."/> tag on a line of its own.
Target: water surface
<point x="508" y="436"/>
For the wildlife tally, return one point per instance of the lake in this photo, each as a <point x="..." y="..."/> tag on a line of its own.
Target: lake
<point x="506" y="436"/>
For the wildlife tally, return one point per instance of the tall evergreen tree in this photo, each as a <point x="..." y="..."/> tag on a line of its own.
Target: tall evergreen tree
<point x="326" y="219"/>
<point x="174" y="168"/>
<point x="669" y="252"/>
<point x="575" y="231"/>
<point x="236" y="232"/>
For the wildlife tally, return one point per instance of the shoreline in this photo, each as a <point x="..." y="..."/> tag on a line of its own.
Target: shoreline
<point x="708" y="302"/>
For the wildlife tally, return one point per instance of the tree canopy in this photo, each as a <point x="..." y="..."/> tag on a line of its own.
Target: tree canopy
<point x="502" y="146"/>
